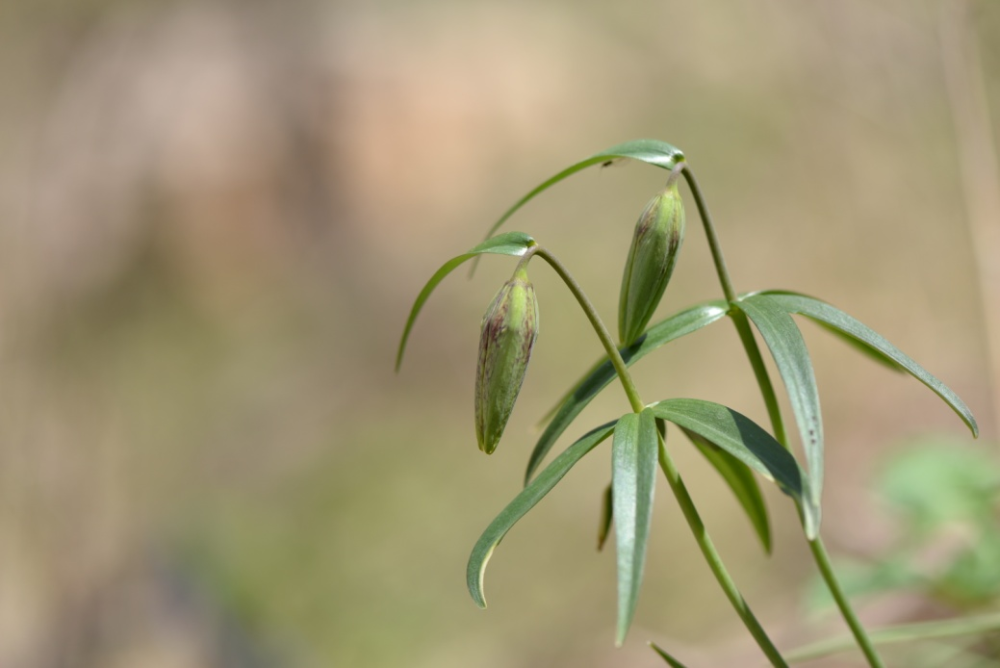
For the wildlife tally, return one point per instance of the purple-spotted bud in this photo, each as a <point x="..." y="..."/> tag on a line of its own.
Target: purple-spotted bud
<point x="509" y="329"/>
<point x="657" y="240"/>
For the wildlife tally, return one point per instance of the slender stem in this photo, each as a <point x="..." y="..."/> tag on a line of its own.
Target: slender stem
<point x="713" y="239"/>
<point x="760" y="373"/>
<point x="822" y="560"/>
<point x="739" y="318"/>
<point x="670" y="471"/>
<point x="598" y="324"/>
<point x="817" y="548"/>
<point x="714" y="560"/>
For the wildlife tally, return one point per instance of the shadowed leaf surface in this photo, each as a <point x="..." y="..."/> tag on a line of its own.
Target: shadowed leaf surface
<point x="674" y="327"/>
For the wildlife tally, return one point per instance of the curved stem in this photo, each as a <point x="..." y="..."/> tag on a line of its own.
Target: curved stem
<point x="714" y="560"/>
<point x="713" y="239"/>
<point x="673" y="476"/>
<point x="742" y="324"/>
<point x="598" y="324"/>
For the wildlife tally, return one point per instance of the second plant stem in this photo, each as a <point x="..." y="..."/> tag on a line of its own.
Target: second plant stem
<point x="673" y="476"/>
<point x="820" y="555"/>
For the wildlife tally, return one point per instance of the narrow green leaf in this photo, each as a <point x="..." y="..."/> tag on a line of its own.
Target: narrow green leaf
<point x="551" y="413"/>
<point x="604" y="527"/>
<point x="738" y="435"/>
<point x="789" y="351"/>
<point x="671" y="661"/>
<point x="876" y="344"/>
<point x="633" y="479"/>
<point x="509" y="243"/>
<point x="674" y="327"/>
<point x="524" y="502"/>
<point x="741" y="481"/>
<point x="861" y="347"/>
<point x="650" y="151"/>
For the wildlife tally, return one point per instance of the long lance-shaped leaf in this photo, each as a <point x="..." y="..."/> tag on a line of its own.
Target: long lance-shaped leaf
<point x="650" y="151"/>
<point x="524" y="502"/>
<point x="743" y="484"/>
<point x="633" y="480"/>
<point x="790" y="354"/>
<point x="738" y="435"/>
<point x="866" y="338"/>
<point x="509" y="243"/>
<point x="674" y="327"/>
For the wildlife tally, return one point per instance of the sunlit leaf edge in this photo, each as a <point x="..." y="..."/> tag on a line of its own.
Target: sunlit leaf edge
<point x="831" y="316"/>
<point x="651" y="151"/>
<point x="633" y="479"/>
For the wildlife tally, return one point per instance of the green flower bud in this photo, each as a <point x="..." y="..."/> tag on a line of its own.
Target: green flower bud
<point x="658" y="237"/>
<point x="509" y="330"/>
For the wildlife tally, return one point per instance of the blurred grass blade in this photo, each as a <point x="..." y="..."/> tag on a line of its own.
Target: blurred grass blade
<point x="741" y="481"/>
<point x="633" y="480"/>
<point x="674" y="327"/>
<point x="876" y="344"/>
<point x="789" y="351"/>
<point x="736" y="434"/>
<point x="920" y="631"/>
<point x="671" y="661"/>
<point x="650" y="151"/>
<point x="509" y="243"/>
<point x="604" y="527"/>
<point x="524" y="502"/>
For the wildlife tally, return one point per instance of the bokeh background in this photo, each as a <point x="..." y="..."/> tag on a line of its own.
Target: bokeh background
<point x="214" y="217"/>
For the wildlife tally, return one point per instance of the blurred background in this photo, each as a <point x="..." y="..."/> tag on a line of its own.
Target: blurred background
<point x="214" y="217"/>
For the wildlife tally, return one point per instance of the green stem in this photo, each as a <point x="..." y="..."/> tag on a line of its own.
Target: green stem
<point x="598" y="324"/>
<point x="713" y="238"/>
<point x="742" y="324"/>
<point x="739" y="318"/>
<point x="714" y="560"/>
<point x="822" y="560"/>
<point x="670" y="471"/>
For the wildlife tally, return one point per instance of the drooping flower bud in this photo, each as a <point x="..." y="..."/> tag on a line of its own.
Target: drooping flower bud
<point x="657" y="240"/>
<point x="509" y="329"/>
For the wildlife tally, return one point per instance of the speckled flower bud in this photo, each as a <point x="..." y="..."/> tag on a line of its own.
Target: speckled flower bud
<point x="509" y="329"/>
<point x="657" y="240"/>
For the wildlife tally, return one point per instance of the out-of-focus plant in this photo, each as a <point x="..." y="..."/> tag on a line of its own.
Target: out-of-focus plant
<point x="735" y="445"/>
<point x="944" y="499"/>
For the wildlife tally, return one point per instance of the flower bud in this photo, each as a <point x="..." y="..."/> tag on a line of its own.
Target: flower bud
<point x="657" y="239"/>
<point x="509" y="329"/>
